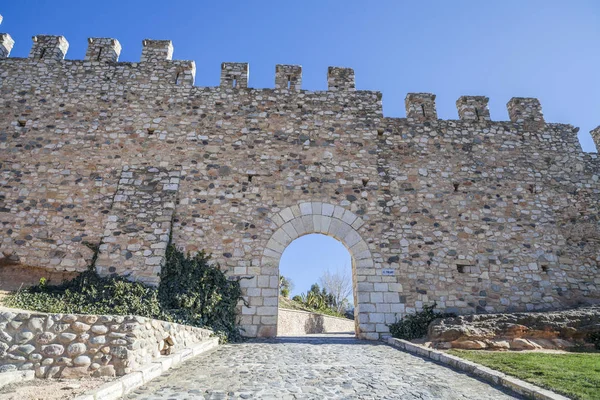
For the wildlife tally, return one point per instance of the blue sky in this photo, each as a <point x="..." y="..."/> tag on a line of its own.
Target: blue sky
<point x="533" y="48"/>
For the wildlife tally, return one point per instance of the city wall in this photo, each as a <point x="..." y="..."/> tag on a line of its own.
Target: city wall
<point x="474" y="214"/>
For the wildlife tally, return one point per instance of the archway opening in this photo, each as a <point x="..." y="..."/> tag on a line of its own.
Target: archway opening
<point x="316" y="291"/>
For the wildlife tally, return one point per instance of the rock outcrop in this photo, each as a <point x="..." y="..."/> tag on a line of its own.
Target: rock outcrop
<point x="518" y="331"/>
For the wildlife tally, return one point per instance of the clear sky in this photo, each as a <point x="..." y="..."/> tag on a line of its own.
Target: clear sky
<point x="547" y="49"/>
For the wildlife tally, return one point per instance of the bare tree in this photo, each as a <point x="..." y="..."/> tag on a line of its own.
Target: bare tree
<point x="339" y="285"/>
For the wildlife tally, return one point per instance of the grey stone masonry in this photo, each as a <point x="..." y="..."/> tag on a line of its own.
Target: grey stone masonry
<point x="479" y="216"/>
<point x="340" y="79"/>
<point x="234" y="75"/>
<point x="6" y="44"/>
<point x="103" y="49"/>
<point x="49" y="47"/>
<point x="474" y="108"/>
<point x="156" y="50"/>
<point x="420" y="107"/>
<point x="75" y="345"/>
<point x="139" y="225"/>
<point x="596" y="137"/>
<point x="525" y="110"/>
<point x="288" y="77"/>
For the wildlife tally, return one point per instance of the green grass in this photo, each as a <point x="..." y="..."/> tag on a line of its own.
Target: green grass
<point x="576" y="375"/>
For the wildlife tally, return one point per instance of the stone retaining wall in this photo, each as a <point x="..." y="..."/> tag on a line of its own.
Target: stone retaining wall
<point x="70" y="345"/>
<point x="295" y="322"/>
<point x="517" y="331"/>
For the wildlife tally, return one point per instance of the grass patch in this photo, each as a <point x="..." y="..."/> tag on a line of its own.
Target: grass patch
<point x="573" y="375"/>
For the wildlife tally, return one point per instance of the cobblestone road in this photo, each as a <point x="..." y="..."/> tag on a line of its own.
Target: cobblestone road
<point x="321" y="368"/>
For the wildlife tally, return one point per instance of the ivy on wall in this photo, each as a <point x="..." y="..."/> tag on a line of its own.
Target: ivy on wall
<point x="192" y="292"/>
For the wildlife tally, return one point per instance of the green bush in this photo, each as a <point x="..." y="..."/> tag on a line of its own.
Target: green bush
<point x="197" y="293"/>
<point x="191" y="292"/>
<point x="318" y="300"/>
<point x="594" y="338"/>
<point x="414" y="326"/>
<point x="89" y="293"/>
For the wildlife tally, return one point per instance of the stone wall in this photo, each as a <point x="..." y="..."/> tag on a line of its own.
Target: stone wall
<point x="477" y="215"/>
<point x="519" y="331"/>
<point x="69" y="345"/>
<point x="296" y="322"/>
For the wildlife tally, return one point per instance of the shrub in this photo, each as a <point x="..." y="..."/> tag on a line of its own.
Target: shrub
<point x="89" y="293"/>
<point x="197" y="293"/>
<point x="594" y="338"/>
<point x="414" y="326"/>
<point x="191" y="292"/>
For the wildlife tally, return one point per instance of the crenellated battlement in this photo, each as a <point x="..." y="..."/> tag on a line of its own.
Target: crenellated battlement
<point x="340" y="79"/>
<point x="234" y="75"/>
<point x="288" y="77"/>
<point x="6" y="44"/>
<point x="103" y="50"/>
<point x="48" y="47"/>
<point x="157" y="68"/>
<point x="527" y="110"/>
<point x="420" y="107"/>
<point x="473" y="108"/>
<point x="156" y="50"/>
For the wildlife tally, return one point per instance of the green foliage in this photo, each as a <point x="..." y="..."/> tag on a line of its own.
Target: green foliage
<point x="285" y="286"/>
<point x="89" y="293"/>
<point x="191" y="292"/>
<point x="594" y="338"/>
<point x="297" y="304"/>
<point x="414" y="326"/>
<point x="318" y="300"/>
<point x="197" y="293"/>
<point x="43" y="282"/>
<point x="574" y="375"/>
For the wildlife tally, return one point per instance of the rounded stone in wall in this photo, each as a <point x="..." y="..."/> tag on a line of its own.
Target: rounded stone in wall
<point x="53" y="350"/>
<point x="80" y="327"/>
<point x="45" y="337"/>
<point x="76" y="349"/>
<point x="66" y="337"/>
<point x="82" y="360"/>
<point x="36" y="325"/>
<point x="99" y="329"/>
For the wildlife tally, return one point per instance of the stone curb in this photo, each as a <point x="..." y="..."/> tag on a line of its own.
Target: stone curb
<point x="125" y="384"/>
<point x="518" y="386"/>
<point x="6" y="378"/>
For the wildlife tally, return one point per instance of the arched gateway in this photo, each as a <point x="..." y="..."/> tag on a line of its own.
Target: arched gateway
<point x="316" y="217"/>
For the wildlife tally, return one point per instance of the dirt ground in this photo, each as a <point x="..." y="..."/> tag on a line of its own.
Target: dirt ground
<point x="50" y="389"/>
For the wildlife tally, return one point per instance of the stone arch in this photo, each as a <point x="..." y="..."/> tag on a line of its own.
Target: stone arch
<point x="307" y="218"/>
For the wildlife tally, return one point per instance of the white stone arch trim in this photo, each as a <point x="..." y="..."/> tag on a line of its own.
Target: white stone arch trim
<point x="317" y="217"/>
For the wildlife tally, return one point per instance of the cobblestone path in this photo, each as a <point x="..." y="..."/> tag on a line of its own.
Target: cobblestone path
<point x="316" y="368"/>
